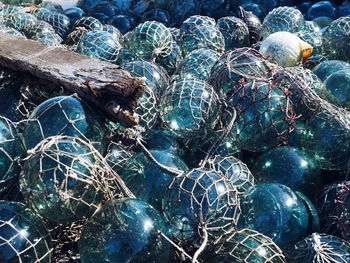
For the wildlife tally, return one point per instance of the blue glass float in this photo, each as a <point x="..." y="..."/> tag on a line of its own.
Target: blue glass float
<point x="322" y="8"/>
<point x="150" y="40"/>
<point x="124" y="230"/>
<point x="124" y="23"/>
<point x="189" y="108"/>
<point x="113" y="31"/>
<point x="283" y="19"/>
<point x="52" y="6"/>
<point x="247" y="246"/>
<point x="23" y="235"/>
<point x="234" y="170"/>
<point x="64" y="179"/>
<point x="60" y="22"/>
<point x="11" y="151"/>
<point x="11" y="9"/>
<point x="337" y="88"/>
<point x="334" y="207"/>
<point x="197" y="64"/>
<point x="288" y="166"/>
<point x="117" y="155"/>
<point x="202" y="36"/>
<point x="256" y="9"/>
<point x="235" y="32"/>
<point x="275" y="211"/>
<point x="157" y="79"/>
<point x="20" y="20"/>
<point x="74" y="14"/>
<point x="32" y="31"/>
<point x="99" y="44"/>
<point x="162" y="140"/>
<point x="51" y="39"/>
<point x="323" y="22"/>
<point x="328" y="67"/>
<point x="194" y="21"/>
<point x="39" y="13"/>
<point x="90" y="23"/>
<point x="104" y="10"/>
<point x="72" y="118"/>
<point x="335" y="39"/>
<point x="264" y="116"/>
<point x="159" y="15"/>
<point x="314" y="222"/>
<point x="125" y="55"/>
<point x="236" y="64"/>
<point x="201" y="200"/>
<point x="146" y="180"/>
<point x="171" y="62"/>
<point x="182" y="9"/>
<point x="75" y="37"/>
<point x="320" y="248"/>
<point x="214" y="8"/>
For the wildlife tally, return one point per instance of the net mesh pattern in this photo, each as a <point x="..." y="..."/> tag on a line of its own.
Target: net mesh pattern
<point x="88" y="22"/>
<point x="248" y="246"/>
<point x="190" y="107"/>
<point x="25" y="237"/>
<point x="151" y="39"/>
<point x="38" y="28"/>
<point x="194" y="21"/>
<point x="20" y="21"/>
<point x="335" y="209"/>
<point x="234" y="170"/>
<point x="283" y="19"/>
<point x="320" y="248"/>
<point x="237" y="64"/>
<point x="76" y="36"/>
<point x="59" y="22"/>
<point x="207" y="200"/>
<point x="147" y="109"/>
<point x="117" y="155"/>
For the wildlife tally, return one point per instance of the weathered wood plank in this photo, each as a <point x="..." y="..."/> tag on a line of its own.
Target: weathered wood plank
<point x="103" y="84"/>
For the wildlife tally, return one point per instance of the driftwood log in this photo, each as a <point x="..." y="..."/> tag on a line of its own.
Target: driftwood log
<point x="104" y="85"/>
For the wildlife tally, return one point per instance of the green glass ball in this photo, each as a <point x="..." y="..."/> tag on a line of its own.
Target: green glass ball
<point x="23" y="235"/>
<point x="71" y="116"/>
<point x="124" y="230"/>
<point x="117" y="155"/>
<point x="337" y="89"/>
<point x="328" y="67"/>
<point x="235" y="32"/>
<point x="64" y="179"/>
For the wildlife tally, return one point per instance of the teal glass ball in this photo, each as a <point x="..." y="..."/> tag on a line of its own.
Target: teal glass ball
<point x="124" y="230"/>
<point x="117" y="155"/>
<point x="275" y="211"/>
<point x="64" y="179"/>
<point x="10" y="150"/>
<point x="23" y="235"/>
<point x="247" y="246"/>
<point x="189" y="108"/>
<point x="289" y="166"/>
<point x="328" y="67"/>
<point x="146" y="180"/>
<point x="337" y="89"/>
<point x="71" y="116"/>
<point x="234" y="31"/>
<point x="201" y="198"/>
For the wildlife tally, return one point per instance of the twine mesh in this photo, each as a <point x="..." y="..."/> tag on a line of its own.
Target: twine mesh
<point x="20" y="21"/>
<point x="246" y="246"/>
<point x="283" y="19"/>
<point x="59" y="22"/>
<point x="35" y="242"/>
<point x="320" y="248"/>
<point x="88" y="22"/>
<point x="117" y="155"/>
<point x="76" y="36"/>
<point x="335" y="209"/>
<point x="194" y="21"/>
<point x="190" y="108"/>
<point x="237" y="64"/>
<point x="38" y="28"/>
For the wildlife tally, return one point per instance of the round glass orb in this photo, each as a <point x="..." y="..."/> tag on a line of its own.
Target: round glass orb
<point x="182" y="9"/>
<point x="256" y="9"/>
<point x="146" y="180"/>
<point x="163" y="141"/>
<point x="23" y="235"/>
<point x="335" y="39"/>
<point x="76" y="36"/>
<point x="288" y="166"/>
<point x="320" y="248"/>
<point x="322" y="8"/>
<point x="171" y="62"/>
<point x="38" y="28"/>
<point x="264" y="116"/>
<point x="328" y="67"/>
<point x="113" y="31"/>
<point x="159" y="15"/>
<point x="283" y="19"/>
<point x="197" y="64"/>
<point x="195" y="21"/>
<point x="314" y="222"/>
<point x="234" y="170"/>
<point x="214" y="8"/>
<point x="236" y="64"/>
<point x="10" y="150"/>
<point x="274" y="210"/>
<point x="147" y="109"/>
<point x="20" y="20"/>
<point x="253" y="23"/>
<point x="235" y="32"/>
<point x="125" y="55"/>
<point x="157" y="79"/>
<point x="285" y="49"/>
<point x="74" y="13"/>
<point x="124" y="230"/>
<point x="189" y="108"/>
<point x="150" y="39"/>
<point x="117" y="155"/>
<point x="337" y="89"/>
<point x="327" y="142"/>
<point x="64" y="179"/>
<point x="90" y="23"/>
<point x="247" y="246"/>
<point x="202" y="36"/>
<point x="124" y="23"/>
<point x="52" y="6"/>
<point x="40" y="13"/>
<point x="200" y="199"/>
<point x="334" y="207"/>
<point x="71" y="116"/>
<point x="60" y="23"/>
<point x="323" y="21"/>
<point x="99" y="44"/>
